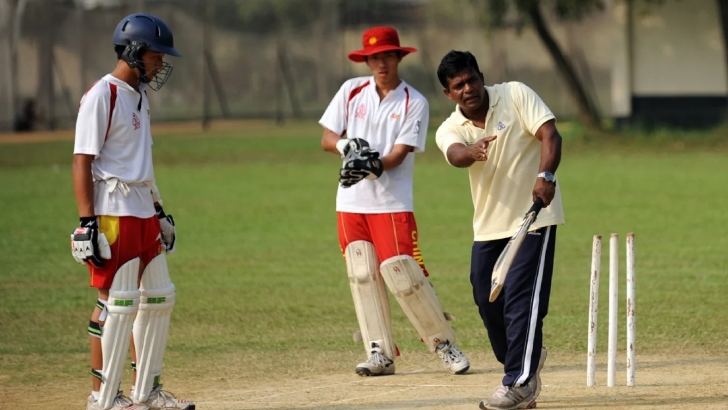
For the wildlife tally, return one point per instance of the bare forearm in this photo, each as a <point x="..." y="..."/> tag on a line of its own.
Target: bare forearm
<point x="389" y="162"/>
<point x="459" y="156"/>
<point x="550" y="152"/>
<point x="329" y="140"/>
<point x="397" y="156"/>
<point x="83" y="185"/>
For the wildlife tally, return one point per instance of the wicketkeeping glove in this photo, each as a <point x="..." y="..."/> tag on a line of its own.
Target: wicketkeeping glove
<point x="169" y="235"/>
<point x="355" y="170"/>
<point x="355" y="148"/>
<point x="88" y="245"/>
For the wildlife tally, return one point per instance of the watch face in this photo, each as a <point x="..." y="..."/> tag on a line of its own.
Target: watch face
<point x="548" y="176"/>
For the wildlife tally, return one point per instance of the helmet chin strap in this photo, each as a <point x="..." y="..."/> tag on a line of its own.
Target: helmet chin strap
<point x="142" y="73"/>
<point x="139" y="67"/>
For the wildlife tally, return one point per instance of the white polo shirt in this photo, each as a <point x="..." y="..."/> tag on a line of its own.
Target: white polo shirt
<point x="502" y="186"/>
<point x="116" y="130"/>
<point x="401" y="117"/>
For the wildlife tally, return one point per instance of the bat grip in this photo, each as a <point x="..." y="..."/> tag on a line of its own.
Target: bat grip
<point x="537" y="205"/>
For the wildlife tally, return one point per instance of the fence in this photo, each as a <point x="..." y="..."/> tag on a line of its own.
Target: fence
<point x="278" y="68"/>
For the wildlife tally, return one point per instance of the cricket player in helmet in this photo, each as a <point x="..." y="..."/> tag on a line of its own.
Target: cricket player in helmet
<point x="124" y="234"/>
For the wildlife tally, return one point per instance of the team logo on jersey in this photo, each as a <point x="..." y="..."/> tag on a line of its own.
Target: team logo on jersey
<point x="417" y="127"/>
<point x="361" y="112"/>
<point x="394" y="116"/>
<point x="501" y="126"/>
<point x="135" y="121"/>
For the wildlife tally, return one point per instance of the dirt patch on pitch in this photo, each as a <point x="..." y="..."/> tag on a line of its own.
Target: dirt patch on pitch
<point x="685" y="382"/>
<point x="663" y="382"/>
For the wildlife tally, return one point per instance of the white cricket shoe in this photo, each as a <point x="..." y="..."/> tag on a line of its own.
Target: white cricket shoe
<point x="510" y="398"/>
<point x="163" y="400"/>
<point x="377" y="365"/>
<point x="121" y="402"/>
<point x="452" y="358"/>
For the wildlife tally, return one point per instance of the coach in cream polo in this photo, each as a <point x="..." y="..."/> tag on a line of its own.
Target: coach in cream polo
<point x="507" y="138"/>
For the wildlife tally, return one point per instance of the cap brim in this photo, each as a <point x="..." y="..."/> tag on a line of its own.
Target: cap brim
<point x="359" y="56"/>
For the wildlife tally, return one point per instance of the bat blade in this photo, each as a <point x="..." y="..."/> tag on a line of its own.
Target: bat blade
<point x="505" y="260"/>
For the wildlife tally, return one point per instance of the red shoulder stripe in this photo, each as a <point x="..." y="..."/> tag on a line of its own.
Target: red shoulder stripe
<point x="406" y="101"/>
<point x="353" y="94"/>
<point x="112" y="105"/>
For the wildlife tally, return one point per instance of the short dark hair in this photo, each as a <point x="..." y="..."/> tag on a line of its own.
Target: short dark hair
<point x="119" y="51"/>
<point x="453" y="63"/>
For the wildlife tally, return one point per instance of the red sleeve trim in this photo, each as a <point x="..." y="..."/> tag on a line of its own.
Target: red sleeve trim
<point x="112" y="105"/>
<point x="406" y="101"/>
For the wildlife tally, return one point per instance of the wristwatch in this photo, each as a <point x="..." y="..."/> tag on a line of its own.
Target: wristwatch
<point x="548" y="176"/>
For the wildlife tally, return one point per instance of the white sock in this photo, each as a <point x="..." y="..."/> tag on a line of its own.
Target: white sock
<point x="95" y="394"/>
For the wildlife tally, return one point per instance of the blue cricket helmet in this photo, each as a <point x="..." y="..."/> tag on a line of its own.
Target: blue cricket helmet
<point x="139" y="32"/>
<point x="147" y="29"/>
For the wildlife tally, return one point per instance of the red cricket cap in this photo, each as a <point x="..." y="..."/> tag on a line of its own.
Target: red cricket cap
<point x="378" y="40"/>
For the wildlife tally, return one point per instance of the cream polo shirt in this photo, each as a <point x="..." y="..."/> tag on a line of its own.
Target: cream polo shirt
<point x="113" y="128"/>
<point x="502" y="185"/>
<point x="401" y="117"/>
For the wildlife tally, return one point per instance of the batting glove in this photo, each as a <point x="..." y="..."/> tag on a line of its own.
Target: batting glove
<point x="169" y="234"/>
<point x="88" y="245"/>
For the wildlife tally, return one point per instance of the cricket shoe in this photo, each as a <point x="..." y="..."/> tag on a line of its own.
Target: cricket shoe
<point x="121" y="402"/>
<point x="377" y="364"/>
<point x="535" y="382"/>
<point x="163" y="400"/>
<point x="452" y="358"/>
<point x="510" y="398"/>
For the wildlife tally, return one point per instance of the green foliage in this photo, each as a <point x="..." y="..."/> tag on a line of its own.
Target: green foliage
<point x="269" y="12"/>
<point x="266" y="16"/>
<point x="513" y="13"/>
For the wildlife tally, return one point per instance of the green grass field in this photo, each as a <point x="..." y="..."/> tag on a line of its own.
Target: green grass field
<point x="259" y="273"/>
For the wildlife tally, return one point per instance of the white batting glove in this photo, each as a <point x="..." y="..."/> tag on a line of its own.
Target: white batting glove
<point x="88" y="245"/>
<point x="169" y="234"/>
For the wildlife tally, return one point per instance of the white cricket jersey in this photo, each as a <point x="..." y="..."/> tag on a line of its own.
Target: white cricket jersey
<point x="115" y="128"/>
<point x="401" y="117"/>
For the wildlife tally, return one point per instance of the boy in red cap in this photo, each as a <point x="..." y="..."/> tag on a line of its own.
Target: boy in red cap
<point x="377" y="123"/>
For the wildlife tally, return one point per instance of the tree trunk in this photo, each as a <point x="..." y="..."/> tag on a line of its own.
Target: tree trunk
<point x="587" y="111"/>
<point x="723" y="11"/>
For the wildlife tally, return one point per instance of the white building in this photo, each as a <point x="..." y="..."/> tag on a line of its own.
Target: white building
<point x="669" y="64"/>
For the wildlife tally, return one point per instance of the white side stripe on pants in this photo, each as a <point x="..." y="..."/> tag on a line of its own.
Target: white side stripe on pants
<point x="533" y="317"/>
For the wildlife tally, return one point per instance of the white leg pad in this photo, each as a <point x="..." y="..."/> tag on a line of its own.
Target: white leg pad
<point x="121" y="308"/>
<point x="417" y="297"/>
<point x="151" y="326"/>
<point x="370" y="297"/>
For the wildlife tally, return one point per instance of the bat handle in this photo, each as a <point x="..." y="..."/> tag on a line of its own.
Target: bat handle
<point x="537" y="205"/>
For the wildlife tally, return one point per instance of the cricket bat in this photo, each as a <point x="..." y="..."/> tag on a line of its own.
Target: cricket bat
<point x="503" y="264"/>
